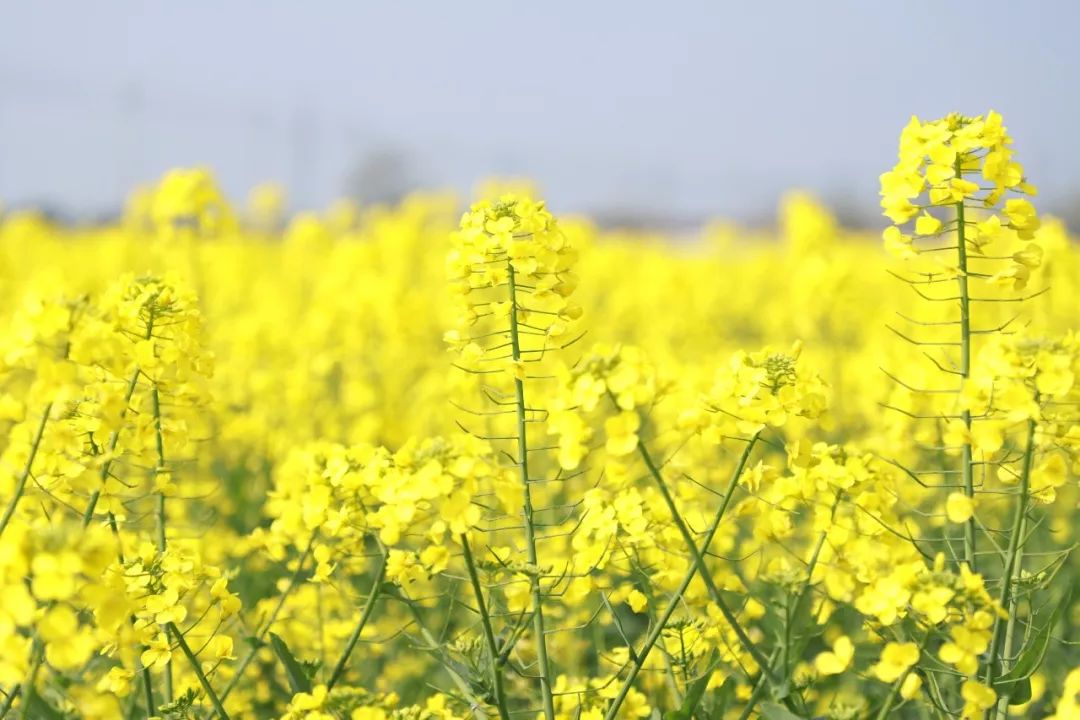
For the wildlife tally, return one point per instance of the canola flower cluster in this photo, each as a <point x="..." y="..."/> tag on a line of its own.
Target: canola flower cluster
<point x="386" y="463"/>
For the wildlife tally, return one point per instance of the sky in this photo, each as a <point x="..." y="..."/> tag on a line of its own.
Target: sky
<point x="673" y="109"/>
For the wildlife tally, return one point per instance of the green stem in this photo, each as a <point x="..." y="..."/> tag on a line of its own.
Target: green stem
<point x="159" y="439"/>
<point x="785" y="647"/>
<point x="967" y="464"/>
<point x="160" y="442"/>
<point x="37" y="656"/>
<point x="803" y="591"/>
<point x="148" y="691"/>
<point x="1010" y="628"/>
<point x="197" y="668"/>
<point x="20" y="484"/>
<point x="463" y="685"/>
<point x="114" y="439"/>
<point x="544" y="668"/>
<point x="1011" y="572"/>
<point x="894" y="691"/>
<point x="369" y="608"/>
<point x="489" y="634"/>
<point x="937" y="699"/>
<point x="9" y="700"/>
<point x="755" y="696"/>
<point x="699" y="562"/>
<point x="259" y="634"/>
<point x="661" y="623"/>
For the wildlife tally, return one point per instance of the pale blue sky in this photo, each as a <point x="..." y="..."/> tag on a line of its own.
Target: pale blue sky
<point x="690" y="108"/>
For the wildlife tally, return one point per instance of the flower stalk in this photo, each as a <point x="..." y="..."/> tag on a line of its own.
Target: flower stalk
<point x="178" y="637"/>
<point x="489" y="634"/>
<point x="543" y="666"/>
<point x="696" y="567"/>
<point x="365" y="615"/>
<point x="24" y="475"/>
<point x="967" y="464"/>
<point x="1011" y="574"/>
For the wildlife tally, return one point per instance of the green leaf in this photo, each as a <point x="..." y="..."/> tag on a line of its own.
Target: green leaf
<point x="1016" y="683"/>
<point x="294" y="671"/>
<point x="1021" y="692"/>
<point x="694" y="692"/>
<point x="37" y="707"/>
<point x="775" y="711"/>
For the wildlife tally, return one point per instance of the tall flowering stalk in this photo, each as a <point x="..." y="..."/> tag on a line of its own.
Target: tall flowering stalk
<point x="953" y="178"/>
<point x="957" y="183"/>
<point x="511" y="265"/>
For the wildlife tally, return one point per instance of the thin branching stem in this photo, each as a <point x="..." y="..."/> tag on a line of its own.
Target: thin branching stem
<point x="714" y="592"/>
<point x="1011" y="575"/>
<point x="436" y="648"/>
<point x="159" y="510"/>
<point x="294" y="582"/>
<point x="178" y="637"/>
<point x="489" y="634"/>
<point x="106" y="466"/>
<point x="365" y="615"/>
<point x="894" y="691"/>
<point x="543" y="666"/>
<point x="20" y="483"/>
<point x="759" y="690"/>
<point x="965" y="367"/>
<point x="697" y="566"/>
<point x="29" y="686"/>
<point x="148" y="692"/>
<point x="9" y="700"/>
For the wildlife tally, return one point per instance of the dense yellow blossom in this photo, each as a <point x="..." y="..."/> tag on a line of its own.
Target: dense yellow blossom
<point x="744" y="476"/>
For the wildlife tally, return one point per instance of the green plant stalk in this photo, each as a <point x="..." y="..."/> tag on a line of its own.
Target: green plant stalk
<point x="148" y="681"/>
<point x="815" y="556"/>
<point x="759" y="690"/>
<point x="37" y="656"/>
<point x="934" y="690"/>
<point x="294" y="581"/>
<point x="544" y="668"/>
<point x="894" y="691"/>
<point x="662" y="621"/>
<point x="20" y="484"/>
<point x="489" y="634"/>
<point x="754" y="699"/>
<point x="462" y="684"/>
<point x="88" y="515"/>
<point x="114" y="439"/>
<point x="148" y="692"/>
<point x="159" y="440"/>
<point x="1010" y="627"/>
<point x="967" y="465"/>
<point x="322" y="626"/>
<point x="365" y="615"/>
<point x="699" y="562"/>
<point x="785" y="646"/>
<point x="197" y="669"/>
<point x="9" y="700"/>
<point x="1011" y="572"/>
